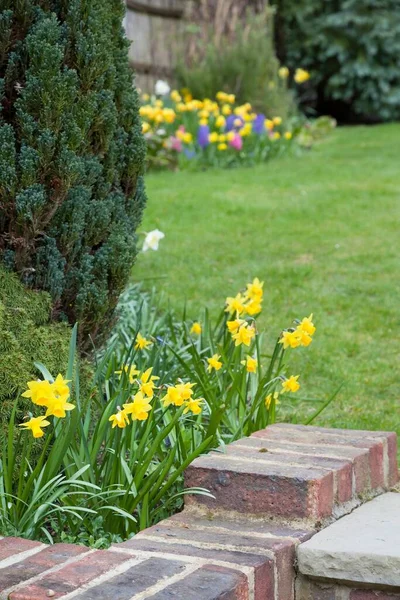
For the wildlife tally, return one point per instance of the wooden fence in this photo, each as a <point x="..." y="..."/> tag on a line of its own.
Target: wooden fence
<point x="154" y="26"/>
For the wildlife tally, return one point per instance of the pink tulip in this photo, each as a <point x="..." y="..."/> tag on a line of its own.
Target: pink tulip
<point x="236" y="142"/>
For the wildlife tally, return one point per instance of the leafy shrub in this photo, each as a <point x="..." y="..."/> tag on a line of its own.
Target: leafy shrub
<point x="241" y="61"/>
<point x="114" y="465"/>
<point x="71" y="154"/>
<point x="26" y="334"/>
<point x="352" y="49"/>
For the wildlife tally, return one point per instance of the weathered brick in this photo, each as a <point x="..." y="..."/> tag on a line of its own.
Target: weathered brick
<point x="359" y="457"/>
<point x="342" y="469"/>
<point x="71" y="577"/>
<point x="134" y="580"/>
<point x="38" y="563"/>
<point x="11" y="546"/>
<point x="261" y="489"/>
<point x="381" y="445"/>
<point x="208" y="583"/>
<point x="269" y="550"/>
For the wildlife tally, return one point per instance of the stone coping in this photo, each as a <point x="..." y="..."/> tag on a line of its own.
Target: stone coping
<point x="362" y="547"/>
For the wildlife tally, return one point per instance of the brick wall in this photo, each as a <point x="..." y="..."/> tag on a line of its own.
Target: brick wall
<point x="272" y="492"/>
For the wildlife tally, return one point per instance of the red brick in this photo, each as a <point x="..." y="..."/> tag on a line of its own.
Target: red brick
<point x="11" y="546"/>
<point x="134" y="580"/>
<point x="377" y="444"/>
<point x="359" y="457"/>
<point x="70" y="577"/>
<point x="261" y="489"/>
<point x="38" y="563"/>
<point x="208" y="583"/>
<point x="342" y="469"/>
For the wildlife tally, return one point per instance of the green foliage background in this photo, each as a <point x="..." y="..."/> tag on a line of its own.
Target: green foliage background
<point x="351" y="47"/>
<point x="26" y="335"/>
<point x="71" y="154"/>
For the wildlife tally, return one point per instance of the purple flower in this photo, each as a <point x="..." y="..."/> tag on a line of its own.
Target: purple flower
<point x="259" y="124"/>
<point x="202" y="136"/>
<point x="229" y="122"/>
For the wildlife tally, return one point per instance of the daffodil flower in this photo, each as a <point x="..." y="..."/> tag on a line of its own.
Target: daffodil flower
<point x="35" y="424"/>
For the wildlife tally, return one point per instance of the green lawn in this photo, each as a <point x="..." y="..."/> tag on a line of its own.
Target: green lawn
<point x="322" y="231"/>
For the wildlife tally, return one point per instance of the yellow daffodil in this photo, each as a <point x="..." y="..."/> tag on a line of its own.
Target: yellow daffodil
<point x="213" y="137"/>
<point x="250" y="363"/>
<point x="305" y="338"/>
<point x="173" y="396"/>
<point x="175" y="96"/>
<point x="220" y="121"/>
<point x="226" y="110"/>
<point x="301" y="76"/>
<point x="204" y="114"/>
<point x="276" y="135"/>
<point x="269" y="124"/>
<point x="203" y="122"/>
<point x="139" y="408"/>
<point x="185" y="390"/>
<point x="272" y="397"/>
<point x="159" y="103"/>
<point x="230" y="136"/>
<point x="60" y="386"/>
<point x="290" y="339"/>
<point x="35" y="425"/>
<point x="145" y="127"/>
<point x="246" y="130"/>
<point x="181" y="107"/>
<point x="58" y="407"/>
<point x="291" y="384"/>
<point x="244" y="335"/>
<point x="235" y="304"/>
<point x="221" y="96"/>
<point x="222" y="146"/>
<point x="187" y="137"/>
<point x="231" y="98"/>
<point x="214" y="362"/>
<point x="253" y="307"/>
<point x="234" y="325"/>
<point x="131" y="372"/>
<point x="288" y="135"/>
<point x="141" y="342"/>
<point x="146" y="383"/>
<point x="307" y="325"/>
<point x="283" y="72"/>
<point x="145" y="97"/>
<point x="120" y="419"/>
<point x="40" y="392"/>
<point x="196" y="328"/>
<point x="194" y="406"/>
<point x="255" y="289"/>
<point x="277" y="120"/>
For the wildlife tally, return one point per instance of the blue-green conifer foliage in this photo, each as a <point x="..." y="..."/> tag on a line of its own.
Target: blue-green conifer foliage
<point x="71" y="154"/>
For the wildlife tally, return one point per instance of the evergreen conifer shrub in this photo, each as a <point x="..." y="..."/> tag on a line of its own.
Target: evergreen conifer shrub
<point x="71" y="154"/>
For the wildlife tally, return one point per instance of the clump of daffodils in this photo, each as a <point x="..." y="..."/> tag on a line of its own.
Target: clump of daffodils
<point x="53" y="396"/>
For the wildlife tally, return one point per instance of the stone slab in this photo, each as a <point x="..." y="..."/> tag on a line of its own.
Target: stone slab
<point x="362" y="547"/>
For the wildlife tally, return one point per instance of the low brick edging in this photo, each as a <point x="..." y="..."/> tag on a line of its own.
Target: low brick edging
<point x="272" y="491"/>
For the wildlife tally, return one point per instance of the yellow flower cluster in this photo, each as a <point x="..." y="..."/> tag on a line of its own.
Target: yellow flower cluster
<point x="53" y="396"/>
<point x="182" y="394"/>
<point x="247" y="303"/>
<point x="300" y="336"/>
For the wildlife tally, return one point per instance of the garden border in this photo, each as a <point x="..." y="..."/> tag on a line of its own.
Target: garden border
<point x="272" y="491"/>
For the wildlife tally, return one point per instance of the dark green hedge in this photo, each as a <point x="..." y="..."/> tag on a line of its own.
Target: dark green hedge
<point x="71" y="153"/>
<point x="352" y="48"/>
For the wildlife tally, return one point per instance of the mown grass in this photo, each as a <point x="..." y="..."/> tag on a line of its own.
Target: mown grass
<point x="322" y="230"/>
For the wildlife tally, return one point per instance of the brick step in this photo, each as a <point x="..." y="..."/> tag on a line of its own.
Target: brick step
<point x="295" y="472"/>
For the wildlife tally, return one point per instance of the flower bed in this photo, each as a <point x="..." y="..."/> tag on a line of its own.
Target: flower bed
<point x="164" y="391"/>
<point x="190" y="133"/>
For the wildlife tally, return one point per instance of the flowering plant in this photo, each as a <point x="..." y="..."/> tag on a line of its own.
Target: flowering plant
<point x="216" y="132"/>
<point x="164" y="392"/>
